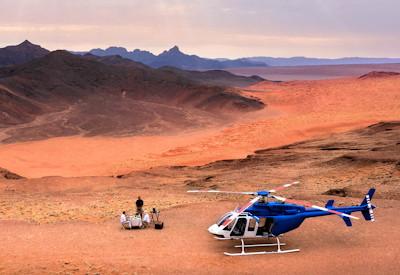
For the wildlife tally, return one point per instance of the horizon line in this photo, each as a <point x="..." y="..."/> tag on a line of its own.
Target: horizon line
<point x="202" y="56"/>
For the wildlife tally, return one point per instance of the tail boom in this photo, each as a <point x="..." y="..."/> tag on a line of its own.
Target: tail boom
<point x="366" y="208"/>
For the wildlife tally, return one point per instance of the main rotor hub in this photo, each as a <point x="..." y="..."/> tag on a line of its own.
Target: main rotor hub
<point x="263" y="193"/>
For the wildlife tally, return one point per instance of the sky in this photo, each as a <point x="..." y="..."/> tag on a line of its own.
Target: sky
<point x="209" y="28"/>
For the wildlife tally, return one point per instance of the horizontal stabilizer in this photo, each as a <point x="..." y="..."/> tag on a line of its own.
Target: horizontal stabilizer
<point x="329" y="204"/>
<point x="347" y="221"/>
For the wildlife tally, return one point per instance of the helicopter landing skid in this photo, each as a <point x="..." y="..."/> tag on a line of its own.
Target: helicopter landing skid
<point x="244" y="253"/>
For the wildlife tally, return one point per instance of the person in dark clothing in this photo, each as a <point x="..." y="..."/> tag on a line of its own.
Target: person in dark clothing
<point x="139" y="206"/>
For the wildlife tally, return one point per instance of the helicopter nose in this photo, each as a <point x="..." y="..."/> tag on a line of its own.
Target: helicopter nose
<point x="213" y="229"/>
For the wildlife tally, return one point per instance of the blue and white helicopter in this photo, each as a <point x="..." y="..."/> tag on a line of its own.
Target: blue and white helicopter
<point x="260" y="218"/>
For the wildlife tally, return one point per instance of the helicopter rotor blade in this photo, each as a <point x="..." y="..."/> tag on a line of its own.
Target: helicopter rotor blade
<point x="283" y="187"/>
<point x="265" y="193"/>
<point x="238" y="212"/>
<point x="222" y="192"/>
<point x="307" y="204"/>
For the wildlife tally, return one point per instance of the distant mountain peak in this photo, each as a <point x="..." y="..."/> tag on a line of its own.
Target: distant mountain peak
<point x="21" y="53"/>
<point x="115" y="48"/>
<point x="173" y="51"/>
<point x="26" y="42"/>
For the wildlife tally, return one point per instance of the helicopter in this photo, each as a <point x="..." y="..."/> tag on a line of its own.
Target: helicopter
<point x="260" y="218"/>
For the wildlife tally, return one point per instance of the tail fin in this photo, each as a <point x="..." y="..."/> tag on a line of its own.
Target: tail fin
<point x="329" y="204"/>
<point x="368" y="212"/>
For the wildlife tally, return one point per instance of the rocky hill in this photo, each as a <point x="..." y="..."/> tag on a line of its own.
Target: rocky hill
<point x="24" y="52"/>
<point x="64" y="94"/>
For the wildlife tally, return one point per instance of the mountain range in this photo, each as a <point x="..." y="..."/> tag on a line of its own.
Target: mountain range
<point x="26" y="51"/>
<point x="174" y="57"/>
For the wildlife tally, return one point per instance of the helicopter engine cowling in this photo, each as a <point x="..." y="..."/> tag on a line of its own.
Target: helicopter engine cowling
<point x="285" y="224"/>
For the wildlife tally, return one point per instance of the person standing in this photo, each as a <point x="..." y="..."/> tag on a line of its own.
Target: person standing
<point x="139" y="205"/>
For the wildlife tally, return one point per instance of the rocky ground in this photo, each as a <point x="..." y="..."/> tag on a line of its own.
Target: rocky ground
<point x="70" y="225"/>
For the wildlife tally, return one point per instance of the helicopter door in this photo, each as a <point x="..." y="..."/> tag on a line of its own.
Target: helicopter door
<point x="239" y="228"/>
<point x="251" y="229"/>
<point x="265" y="226"/>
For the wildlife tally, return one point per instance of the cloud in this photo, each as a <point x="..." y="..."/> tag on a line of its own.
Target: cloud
<point x="228" y="28"/>
<point x="46" y="28"/>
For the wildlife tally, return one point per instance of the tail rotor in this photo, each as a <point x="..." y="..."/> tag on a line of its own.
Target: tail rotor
<point x="368" y="212"/>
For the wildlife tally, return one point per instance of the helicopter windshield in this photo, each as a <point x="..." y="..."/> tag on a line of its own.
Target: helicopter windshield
<point x="223" y="218"/>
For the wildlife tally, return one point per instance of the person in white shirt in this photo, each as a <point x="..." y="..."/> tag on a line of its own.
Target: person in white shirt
<point x="146" y="219"/>
<point x="124" y="220"/>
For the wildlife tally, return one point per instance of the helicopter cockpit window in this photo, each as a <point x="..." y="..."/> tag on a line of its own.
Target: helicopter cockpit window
<point x="229" y="226"/>
<point x="223" y="219"/>
<point x="239" y="228"/>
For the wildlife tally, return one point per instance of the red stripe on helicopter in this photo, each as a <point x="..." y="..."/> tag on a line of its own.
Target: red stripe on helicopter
<point x="314" y="206"/>
<point x="283" y="186"/>
<point x="240" y="210"/>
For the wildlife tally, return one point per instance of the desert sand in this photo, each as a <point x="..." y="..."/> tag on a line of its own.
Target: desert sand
<point x="68" y="223"/>
<point x="295" y="111"/>
<point x="327" y="246"/>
